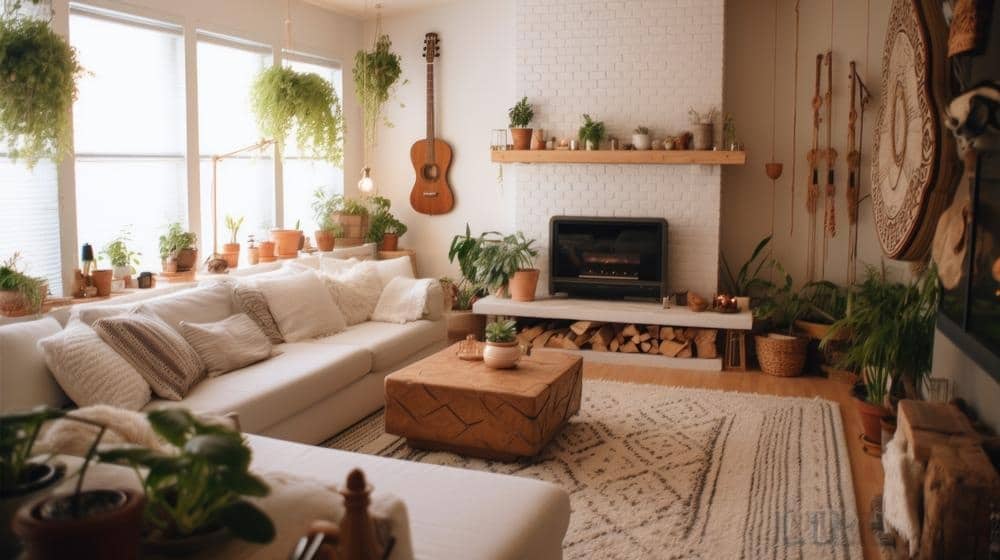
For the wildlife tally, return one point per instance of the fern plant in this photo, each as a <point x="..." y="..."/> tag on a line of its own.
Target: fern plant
<point x="375" y="75"/>
<point x="284" y="100"/>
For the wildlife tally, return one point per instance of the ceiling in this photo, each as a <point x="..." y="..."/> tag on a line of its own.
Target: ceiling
<point x="366" y="8"/>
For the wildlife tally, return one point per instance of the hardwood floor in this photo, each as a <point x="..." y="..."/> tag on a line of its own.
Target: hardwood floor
<point x="866" y="471"/>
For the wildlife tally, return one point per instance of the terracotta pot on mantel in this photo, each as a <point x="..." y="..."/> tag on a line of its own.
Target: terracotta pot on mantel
<point x="521" y="138"/>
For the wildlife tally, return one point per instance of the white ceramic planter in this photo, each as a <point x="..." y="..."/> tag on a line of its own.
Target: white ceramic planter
<point x="640" y="141"/>
<point x="501" y="355"/>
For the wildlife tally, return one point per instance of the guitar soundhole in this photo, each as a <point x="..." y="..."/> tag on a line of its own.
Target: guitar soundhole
<point x="430" y="172"/>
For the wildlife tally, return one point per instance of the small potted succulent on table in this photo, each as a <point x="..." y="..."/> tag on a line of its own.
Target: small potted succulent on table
<point x="502" y="350"/>
<point x="520" y="117"/>
<point x="123" y="260"/>
<point x="177" y="249"/>
<point x="384" y="228"/>
<point x="231" y="250"/>
<point x="591" y="133"/>
<point x="640" y="138"/>
<point x="20" y="294"/>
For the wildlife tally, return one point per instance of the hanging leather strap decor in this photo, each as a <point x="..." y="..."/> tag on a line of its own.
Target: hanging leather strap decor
<point x="855" y="134"/>
<point x="813" y="158"/>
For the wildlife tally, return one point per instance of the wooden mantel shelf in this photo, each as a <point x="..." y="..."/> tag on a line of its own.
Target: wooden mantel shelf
<point x="660" y="157"/>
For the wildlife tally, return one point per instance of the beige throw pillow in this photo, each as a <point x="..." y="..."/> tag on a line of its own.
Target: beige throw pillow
<point x="90" y="371"/>
<point x="302" y="306"/>
<point x="252" y="302"/>
<point x="227" y="345"/>
<point x="161" y="356"/>
<point x="356" y="292"/>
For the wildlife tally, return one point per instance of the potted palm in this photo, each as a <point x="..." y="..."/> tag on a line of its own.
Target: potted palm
<point x="640" y="138"/>
<point x="890" y="340"/>
<point x="122" y="259"/>
<point x="231" y="250"/>
<point x="501" y="351"/>
<point x="177" y="249"/>
<point x="384" y="228"/>
<point x="520" y="117"/>
<point x="197" y="491"/>
<point x="503" y="266"/>
<point x="591" y="133"/>
<point x="20" y="294"/>
<point x="104" y="522"/>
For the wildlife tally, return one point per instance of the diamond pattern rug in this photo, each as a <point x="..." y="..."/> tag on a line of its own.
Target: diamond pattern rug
<point x="664" y="472"/>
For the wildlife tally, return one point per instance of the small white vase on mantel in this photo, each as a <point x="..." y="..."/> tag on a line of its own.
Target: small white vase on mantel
<point x="640" y="141"/>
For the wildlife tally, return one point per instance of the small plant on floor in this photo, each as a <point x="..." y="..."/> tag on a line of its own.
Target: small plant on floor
<point x="30" y="290"/>
<point x="592" y="132"/>
<point x="233" y="224"/>
<point x="501" y="331"/>
<point x="748" y="282"/>
<point x="201" y="485"/>
<point x="521" y="114"/>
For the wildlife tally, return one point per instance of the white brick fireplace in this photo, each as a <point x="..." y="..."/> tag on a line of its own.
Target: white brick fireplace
<point x="627" y="63"/>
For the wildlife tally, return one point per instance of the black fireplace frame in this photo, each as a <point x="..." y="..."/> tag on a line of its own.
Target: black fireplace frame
<point x="608" y="289"/>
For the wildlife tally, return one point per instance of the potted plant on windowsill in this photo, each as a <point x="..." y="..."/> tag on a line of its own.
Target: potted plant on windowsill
<point x="501" y="350"/>
<point x="591" y="133"/>
<point x="197" y="491"/>
<point x="287" y="242"/>
<point x="122" y="259"/>
<point x="20" y="294"/>
<point x="231" y="250"/>
<point x="503" y="266"/>
<point x="384" y="228"/>
<point x="640" y="138"/>
<point x="520" y="116"/>
<point x="178" y="247"/>
<point x="104" y="522"/>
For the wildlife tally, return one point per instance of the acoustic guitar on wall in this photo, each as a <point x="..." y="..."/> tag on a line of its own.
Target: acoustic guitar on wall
<point x="430" y="156"/>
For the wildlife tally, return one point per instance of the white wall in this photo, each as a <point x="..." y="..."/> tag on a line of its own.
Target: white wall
<point x="475" y="86"/>
<point x="968" y="380"/>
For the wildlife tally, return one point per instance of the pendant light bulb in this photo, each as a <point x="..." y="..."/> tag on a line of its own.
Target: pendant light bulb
<point x="366" y="185"/>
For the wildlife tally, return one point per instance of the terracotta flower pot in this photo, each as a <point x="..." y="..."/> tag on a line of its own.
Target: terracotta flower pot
<point x="523" y="284"/>
<point x="325" y="240"/>
<point x="267" y="251"/>
<point x="286" y="242"/>
<point x="501" y="355"/>
<point x="521" y="138"/>
<point x="169" y="266"/>
<point x="390" y="242"/>
<point x="102" y="281"/>
<point x="41" y="477"/>
<point x="112" y="534"/>
<point x="187" y="259"/>
<point x="231" y="252"/>
<point x="871" y="419"/>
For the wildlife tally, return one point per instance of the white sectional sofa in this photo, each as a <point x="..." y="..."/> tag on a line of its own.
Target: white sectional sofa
<point x="310" y="391"/>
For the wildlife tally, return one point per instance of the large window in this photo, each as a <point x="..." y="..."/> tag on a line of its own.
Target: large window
<point x="129" y="130"/>
<point x="226" y="71"/>
<point x="302" y="175"/>
<point x="29" y="218"/>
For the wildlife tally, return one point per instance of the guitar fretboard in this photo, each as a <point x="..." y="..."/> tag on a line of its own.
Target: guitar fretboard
<point x="430" y="110"/>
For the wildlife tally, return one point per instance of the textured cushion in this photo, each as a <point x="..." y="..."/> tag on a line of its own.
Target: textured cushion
<point x="163" y="358"/>
<point x="356" y="292"/>
<point x="229" y="344"/>
<point x="198" y="305"/>
<point x="391" y="344"/>
<point x="90" y="371"/>
<point x="403" y="300"/>
<point x="301" y="305"/>
<point x="362" y="252"/>
<point x="25" y="381"/>
<point x="251" y="301"/>
<point x="328" y="265"/>
<point x="268" y="392"/>
<point x="393" y="268"/>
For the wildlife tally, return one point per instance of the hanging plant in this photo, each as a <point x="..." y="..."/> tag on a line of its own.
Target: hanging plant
<point x="38" y="72"/>
<point x="375" y="75"/>
<point x="284" y="99"/>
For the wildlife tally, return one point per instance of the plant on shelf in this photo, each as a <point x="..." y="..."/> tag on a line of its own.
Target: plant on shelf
<point x="781" y="353"/>
<point x="375" y="75"/>
<point x="640" y="138"/>
<point x="383" y="228"/>
<point x="199" y="487"/>
<point x="501" y="351"/>
<point x="123" y="260"/>
<point x="324" y="206"/>
<point x="231" y="250"/>
<point x="520" y="117"/>
<point x="177" y="249"/>
<point x="60" y="525"/>
<point x="500" y="258"/>
<point x="591" y="133"/>
<point x="19" y="292"/>
<point x="284" y="100"/>
<point x="39" y="70"/>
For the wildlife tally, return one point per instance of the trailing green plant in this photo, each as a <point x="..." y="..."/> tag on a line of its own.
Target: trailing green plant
<point x="641" y="130"/>
<point x="233" y="224"/>
<point x="591" y="130"/>
<point x="284" y="100"/>
<point x="748" y="282"/>
<point x="501" y="330"/>
<point x="521" y="114"/>
<point x="118" y="252"/>
<point x="382" y="221"/>
<point x="500" y="257"/>
<point x="201" y="484"/>
<point x="375" y="75"/>
<point x="31" y="289"/>
<point x="176" y="239"/>
<point x="39" y="70"/>
<point x="890" y="328"/>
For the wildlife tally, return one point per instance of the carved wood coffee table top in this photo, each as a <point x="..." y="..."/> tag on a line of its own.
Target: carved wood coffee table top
<point x="442" y="402"/>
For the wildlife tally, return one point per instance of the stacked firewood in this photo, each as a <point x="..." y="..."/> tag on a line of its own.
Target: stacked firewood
<point x="675" y="342"/>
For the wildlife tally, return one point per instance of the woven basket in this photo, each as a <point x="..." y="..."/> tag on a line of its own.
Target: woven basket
<point x="782" y="356"/>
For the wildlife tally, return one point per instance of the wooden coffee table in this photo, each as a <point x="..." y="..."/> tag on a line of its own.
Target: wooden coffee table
<point x="444" y="403"/>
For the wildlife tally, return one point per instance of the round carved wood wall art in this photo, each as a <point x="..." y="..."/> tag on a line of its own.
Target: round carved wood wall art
<point x="911" y="154"/>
